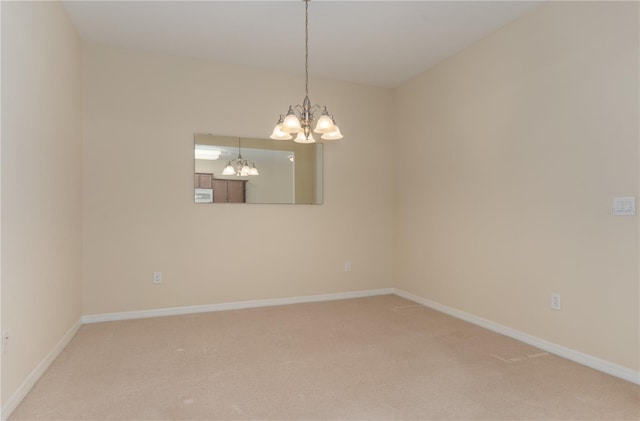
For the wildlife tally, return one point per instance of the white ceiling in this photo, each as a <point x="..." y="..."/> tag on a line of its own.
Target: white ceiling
<point x="381" y="43"/>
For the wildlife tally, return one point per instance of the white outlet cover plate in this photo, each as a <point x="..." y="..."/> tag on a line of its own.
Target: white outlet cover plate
<point x="624" y="205"/>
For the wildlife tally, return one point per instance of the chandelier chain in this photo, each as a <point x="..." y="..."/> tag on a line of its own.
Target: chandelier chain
<point x="306" y="47"/>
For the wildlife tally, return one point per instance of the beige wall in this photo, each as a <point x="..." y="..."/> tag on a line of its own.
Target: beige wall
<point x="41" y="206"/>
<point x="140" y="112"/>
<point x="519" y="145"/>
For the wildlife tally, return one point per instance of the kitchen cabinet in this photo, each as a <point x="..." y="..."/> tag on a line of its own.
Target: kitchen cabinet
<point x="203" y="181"/>
<point x="229" y="191"/>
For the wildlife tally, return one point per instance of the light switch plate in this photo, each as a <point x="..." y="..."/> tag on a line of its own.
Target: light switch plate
<point x="624" y="205"/>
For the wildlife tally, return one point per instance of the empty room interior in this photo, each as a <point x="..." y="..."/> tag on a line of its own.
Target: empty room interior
<point x="469" y="249"/>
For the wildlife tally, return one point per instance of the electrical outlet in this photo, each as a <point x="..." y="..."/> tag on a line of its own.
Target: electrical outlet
<point x="624" y="205"/>
<point x="157" y="277"/>
<point x="347" y="266"/>
<point x="5" y="342"/>
<point x="556" y="302"/>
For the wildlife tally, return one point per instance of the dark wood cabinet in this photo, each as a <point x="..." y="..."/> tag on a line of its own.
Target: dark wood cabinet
<point x="229" y="191"/>
<point x="203" y="181"/>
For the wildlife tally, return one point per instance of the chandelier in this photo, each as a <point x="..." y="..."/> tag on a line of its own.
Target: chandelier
<point x="239" y="166"/>
<point x="300" y="118"/>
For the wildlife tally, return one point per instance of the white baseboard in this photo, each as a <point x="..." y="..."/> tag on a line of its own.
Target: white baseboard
<point x="173" y="311"/>
<point x="570" y="354"/>
<point x="34" y="376"/>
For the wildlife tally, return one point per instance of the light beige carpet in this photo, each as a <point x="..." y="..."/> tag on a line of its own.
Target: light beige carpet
<point x="372" y="358"/>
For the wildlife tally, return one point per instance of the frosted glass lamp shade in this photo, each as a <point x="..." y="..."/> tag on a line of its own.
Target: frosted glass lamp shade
<point x="279" y="134"/>
<point x="228" y="170"/>
<point x="325" y="125"/>
<point x="335" y="135"/>
<point x="253" y="170"/>
<point x="291" y="124"/>
<point x="304" y="139"/>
